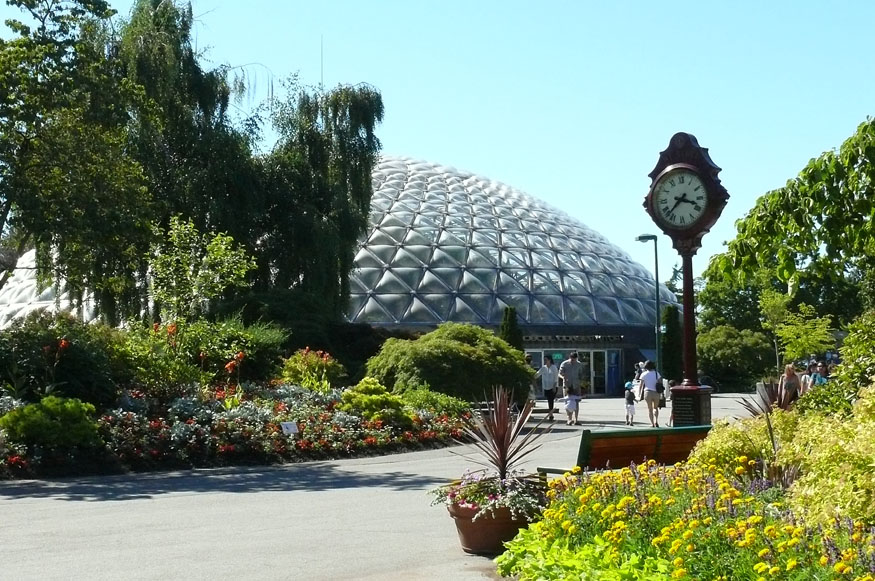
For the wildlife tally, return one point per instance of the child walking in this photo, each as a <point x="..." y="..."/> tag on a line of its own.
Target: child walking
<point x="630" y="404"/>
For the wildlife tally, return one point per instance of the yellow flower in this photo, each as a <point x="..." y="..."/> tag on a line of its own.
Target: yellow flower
<point x="707" y="520"/>
<point x="823" y="560"/>
<point x="739" y="470"/>
<point x="690" y="548"/>
<point x="576" y="470"/>
<point x="791" y="564"/>
<point x="742" y="459"/>
<point x="688" y="535"/>
<point x="572" y="529"/>
<point x="679" y="574"/>
<point x="774" y="571"/>
<point x="840" y="567"/>
<point x="762" y="554"/>
<point x="761" y="567"/>
<point x="678" y="561"/>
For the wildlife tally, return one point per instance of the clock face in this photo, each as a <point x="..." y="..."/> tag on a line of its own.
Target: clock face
<point x="679" y="199"/>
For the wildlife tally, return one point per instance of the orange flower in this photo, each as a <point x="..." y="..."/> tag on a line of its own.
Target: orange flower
<point x="155" y="327"/>
<point x="63" y="344"/>
<point x="171" y="329"/>
<point x="239" y="357"/>
<point x="231" y="366"/>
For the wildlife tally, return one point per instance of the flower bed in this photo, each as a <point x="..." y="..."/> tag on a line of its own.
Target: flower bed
<point x="232" y="426"/>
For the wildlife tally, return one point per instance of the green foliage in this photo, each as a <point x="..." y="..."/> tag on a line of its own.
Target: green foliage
<point x="190" y="269"/>
<point x="510" y="329"/>
<point x="461" y="360"/>
<point x="316" y="370"/>
<point x="433" y="402"/>
<point x="735" y="359"/>
<point x="725" y="300"/>
<point x="802" y="333"/>
<point x="169" y="360"/>
<point x="58" y="354"/>
<point x="55" y="423"/>
<point x="672" y="344"/>
<point x="374" y="403"/>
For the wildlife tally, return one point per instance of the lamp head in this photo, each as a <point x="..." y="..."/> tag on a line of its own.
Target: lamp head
<point x="646" y="237"/>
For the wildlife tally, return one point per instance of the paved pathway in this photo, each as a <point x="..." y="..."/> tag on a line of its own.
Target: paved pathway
<point x="361" y="519"/>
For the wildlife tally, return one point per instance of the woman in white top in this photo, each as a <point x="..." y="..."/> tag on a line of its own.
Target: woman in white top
<point x="549" y="375"/>
<point x="649" y="381"/>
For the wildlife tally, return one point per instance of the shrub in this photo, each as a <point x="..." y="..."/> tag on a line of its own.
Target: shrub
<point x="734" y="358"/>
<point x="373" y="402"/>
<point x="425" y="400"/>
<point x="457" y="359"/>
<point x="56" y="424"/>
<point x="316" y="370"/>
<point x="58" y="354"/>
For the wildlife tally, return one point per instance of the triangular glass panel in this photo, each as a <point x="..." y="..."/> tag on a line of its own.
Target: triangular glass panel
<point x="510" y="224"/>
<point x="373" y="312"/>
<point x="538" y="241"/>
<point x="421" y="253"/>
<point x="575" y="284"/>
<point x="422" y="235"/>
<point x="479" y="258"/>
<point x="449" y="276"/>
<point x="433" y="283"/>
<point x="633" y="312"/>
<point x="485" y="222"/>
<point x="568" y="260"/>
<point x="390" y="283"/>
<point x="380" y="237"/>
<point x="516" y="258"/>
<point x="404" y="258"/>
<point x="409" y="276"/>
<point x="508" y="284"/>
<point x="624" y="287"/>
<point x="429" y="221"/>
<point x="396" y="304"/>
<point x="480" y="304"/>
<point x="555" y="303"/>
<point x="601" y="285"/>
<point x="463" y="313"/>
<point x="591" y="263"/>
<point x="364" y="257"/>
<point x="607" y="311"/>
<point x="383" y="252"/>
<point x="541" y="315"/>
<point x="542" y="285"/>
<point x="355" y="285"/>
<point x="401" y="219"/>
<point x="543" y="259"/>
<point x="477" y="280"/>
<point x="368" y="276"/>
<point x="397" y="233"/>
<point x="417" y="312"/>
<point x="579" y="310"/>
<point x="484" y="237"/>
<point x="449" y="256"/>
<point x="457" y="221"/>
<point x="400" y="206"/>
<point x="356" y="301"/>
<point x="513" y="240"/>
<point x="439" y="304"/>
<point x="450" y="238"/>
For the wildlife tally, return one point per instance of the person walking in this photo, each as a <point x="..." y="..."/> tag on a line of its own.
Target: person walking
<point x="820" y="375"/>
<point x="650" y="382"/>
<point x="571" y="372"/>
<point x="549" y="375"/>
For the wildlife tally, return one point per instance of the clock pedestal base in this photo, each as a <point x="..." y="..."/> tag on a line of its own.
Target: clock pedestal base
<point x="691" y="406"/>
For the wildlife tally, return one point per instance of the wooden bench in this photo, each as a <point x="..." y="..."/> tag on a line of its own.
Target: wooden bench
<point x="609" y="449"/>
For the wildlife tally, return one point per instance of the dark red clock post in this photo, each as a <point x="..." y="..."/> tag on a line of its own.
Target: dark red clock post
<point x="685" y="200"/>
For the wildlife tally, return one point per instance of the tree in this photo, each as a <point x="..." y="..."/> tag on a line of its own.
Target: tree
<point x="672" y="344"/>
<point x="728" y="301"/>
<point x="734" y="358"/>
<point x="510" y="330"/>
<point x="774" y="309"/>
<point x="68" y="185"/>
<point x="190" y="269"/>
<point x="318" y="190"/>
<point x="801" y="333"/>
<point x="818" y="224"/>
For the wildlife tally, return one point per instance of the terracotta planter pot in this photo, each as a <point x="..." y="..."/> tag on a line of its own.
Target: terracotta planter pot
<point x="486" y="535"/>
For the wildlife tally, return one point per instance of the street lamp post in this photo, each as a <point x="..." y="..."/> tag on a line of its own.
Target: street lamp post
<point x="648" y="238"/>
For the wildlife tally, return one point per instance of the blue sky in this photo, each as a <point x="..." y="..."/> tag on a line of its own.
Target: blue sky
<point x="572" y="101"/>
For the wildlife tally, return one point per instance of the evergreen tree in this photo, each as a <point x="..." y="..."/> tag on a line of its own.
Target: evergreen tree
<point x="510" y="329"/>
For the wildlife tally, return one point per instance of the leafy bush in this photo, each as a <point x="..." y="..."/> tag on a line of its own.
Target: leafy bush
<point x="316" y="370"/>
<point x="436" y="403"/>
<point x="58" y="354"/>
<point x="457" y="359"/>
<point x="168" y="359"/>
<point x="747" y="437"/>
<point x="373" y="402"/>
<point x="735" y="359"/>
<point x="56" y="424"/>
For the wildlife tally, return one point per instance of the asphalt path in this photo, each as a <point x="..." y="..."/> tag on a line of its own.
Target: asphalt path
<point x="356" y="519"/>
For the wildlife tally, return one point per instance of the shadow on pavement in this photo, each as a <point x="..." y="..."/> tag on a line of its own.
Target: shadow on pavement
<point x="310" y="477"/>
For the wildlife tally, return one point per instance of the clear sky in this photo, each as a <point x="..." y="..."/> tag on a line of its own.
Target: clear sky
<point x="572" y="101"/>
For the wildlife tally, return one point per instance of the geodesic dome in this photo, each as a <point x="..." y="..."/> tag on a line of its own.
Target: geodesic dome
<point x="447" y="245"/>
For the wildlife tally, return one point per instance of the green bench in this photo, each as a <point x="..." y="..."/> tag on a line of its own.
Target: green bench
<point x="609" y="449"/>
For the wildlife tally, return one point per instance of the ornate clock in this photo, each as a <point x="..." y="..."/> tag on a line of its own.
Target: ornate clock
<point x="685" y="200"/>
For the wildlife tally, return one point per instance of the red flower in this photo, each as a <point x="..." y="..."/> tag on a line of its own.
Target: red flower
<point x="63" y="344"/>
<point x="225" y="448"/>
<point x="155" y="327"/>
<point x="231" y="366"/>
<point x="239" y="357"/>
<point x="171" y="329"/>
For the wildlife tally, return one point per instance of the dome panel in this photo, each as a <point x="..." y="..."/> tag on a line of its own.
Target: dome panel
<point x="449" y="256"/>
<point x="478" y="280"/>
